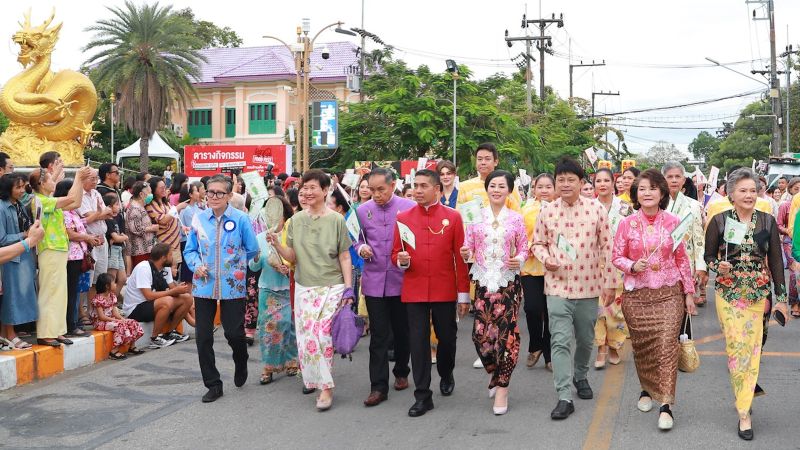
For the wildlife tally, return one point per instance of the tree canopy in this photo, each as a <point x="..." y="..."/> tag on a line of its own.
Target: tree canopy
<point x="149" y="57"/>
<point x="408" y="114"/>
<point x="208" y="34"/>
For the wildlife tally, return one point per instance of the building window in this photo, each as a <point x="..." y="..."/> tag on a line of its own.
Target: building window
<point x="199" y="123"/>
<point x="262" y="118"/>
<point x="230" y="122"/>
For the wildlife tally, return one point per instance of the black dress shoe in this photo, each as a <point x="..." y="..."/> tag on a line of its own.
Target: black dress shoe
<point x="562" y="410"/>
<point x="584" y="390"/>
<point x="307" y="391"/>
<point x="420" y="407"/>
<point x="446" y="385"/>
<point x="213" y="394"/>
<point x="747" y="435"/>
<point x="240" y="375"/>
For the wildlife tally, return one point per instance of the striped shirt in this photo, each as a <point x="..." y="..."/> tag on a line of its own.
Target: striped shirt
<point x="168" y="227"/>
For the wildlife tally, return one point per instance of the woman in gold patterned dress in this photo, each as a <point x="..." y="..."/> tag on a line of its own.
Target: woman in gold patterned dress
<point x="748" y="264"/>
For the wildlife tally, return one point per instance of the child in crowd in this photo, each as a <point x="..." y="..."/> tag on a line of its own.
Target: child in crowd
<point x="106" y="317"/>
<point x="116" y="237"/>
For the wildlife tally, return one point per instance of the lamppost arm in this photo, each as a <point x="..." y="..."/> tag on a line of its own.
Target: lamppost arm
<point x="717" y="63"/>
<point x="340" y="23"/>
<point x="281" y="41"/>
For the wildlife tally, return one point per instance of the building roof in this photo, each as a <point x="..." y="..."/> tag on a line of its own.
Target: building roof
<point x="274" y="62"/>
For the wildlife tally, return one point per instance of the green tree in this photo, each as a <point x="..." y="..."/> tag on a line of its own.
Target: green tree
<point x="408" y="114"/>
<point x="660" y="153"/>
<point x="3" y="122"/>
<point x="704" y="145"/>
<point x="749" y="140"/>
<point x="207" y="33"/>
<point x="150" y="59"/>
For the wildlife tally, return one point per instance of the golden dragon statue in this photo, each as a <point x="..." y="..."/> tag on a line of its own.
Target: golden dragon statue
<point x="47" y="110"/>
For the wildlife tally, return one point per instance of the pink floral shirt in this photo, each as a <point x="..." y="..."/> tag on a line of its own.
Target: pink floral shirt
<point x="492" y="242"/>
<point x="585" y="225"/>
<point x="637" y="239"/>
<point x="73" y="222"/>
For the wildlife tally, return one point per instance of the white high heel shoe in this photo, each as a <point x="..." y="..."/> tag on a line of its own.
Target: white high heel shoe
<point x="492" y="391"/>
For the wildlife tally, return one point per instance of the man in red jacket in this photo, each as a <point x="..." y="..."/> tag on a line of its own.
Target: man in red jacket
<point x="435" y="277"/>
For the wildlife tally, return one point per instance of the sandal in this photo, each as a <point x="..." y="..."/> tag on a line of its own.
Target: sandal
<point x="135" y="351"/>
<point x="19" y="344"/>
<point x="86" y="321"/>
<point x="78" y="332"/>
<point x="292" y="372"/>
<point x="266" y="378"/>
<point x="116" y="356"/>
<point x="614" y="360"/>
<point x="64" y="340"/>
<point x="49" y="342"/>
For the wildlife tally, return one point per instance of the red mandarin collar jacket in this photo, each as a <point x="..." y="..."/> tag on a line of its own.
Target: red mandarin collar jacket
<point x="437" y="272"/>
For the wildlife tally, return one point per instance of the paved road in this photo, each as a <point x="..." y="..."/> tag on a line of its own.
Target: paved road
<point x="153" y="401"/>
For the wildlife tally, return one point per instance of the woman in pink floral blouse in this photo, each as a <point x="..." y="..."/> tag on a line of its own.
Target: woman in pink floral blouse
<point x="500" y="246"/>
<point x="658" y="290"/>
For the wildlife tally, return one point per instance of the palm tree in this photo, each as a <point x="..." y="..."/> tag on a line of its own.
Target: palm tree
<point x="146" y="53"/>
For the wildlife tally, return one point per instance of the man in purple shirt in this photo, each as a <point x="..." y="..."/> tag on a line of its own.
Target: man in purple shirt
<point x="381" y="283"/>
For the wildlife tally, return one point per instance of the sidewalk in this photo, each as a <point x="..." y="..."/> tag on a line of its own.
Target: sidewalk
<point x="18" y="367"/>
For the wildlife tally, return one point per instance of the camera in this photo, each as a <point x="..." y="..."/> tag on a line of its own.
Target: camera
<point x="326" y="52"/>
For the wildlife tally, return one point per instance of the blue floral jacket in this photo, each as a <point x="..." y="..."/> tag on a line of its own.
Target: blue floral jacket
<point x="224" y="246"/>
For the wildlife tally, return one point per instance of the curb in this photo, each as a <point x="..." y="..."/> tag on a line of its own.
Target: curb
<point x="19" y="367"/>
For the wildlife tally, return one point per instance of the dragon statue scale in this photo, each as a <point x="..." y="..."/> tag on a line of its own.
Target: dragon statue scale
<point x="47" y="110"/>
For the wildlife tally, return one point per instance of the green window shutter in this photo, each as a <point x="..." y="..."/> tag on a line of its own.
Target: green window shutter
<point x="199" y="123"/>
<point x="230" y="122"/>
<point x="262" y="118"/>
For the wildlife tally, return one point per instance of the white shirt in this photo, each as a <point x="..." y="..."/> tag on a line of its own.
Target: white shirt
<point x="141" y="277"/>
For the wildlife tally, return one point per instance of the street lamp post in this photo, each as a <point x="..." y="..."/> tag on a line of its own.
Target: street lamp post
<point x="302" y="58"/>
<point x="111" y="99"/>
<point x="452" y="67"/>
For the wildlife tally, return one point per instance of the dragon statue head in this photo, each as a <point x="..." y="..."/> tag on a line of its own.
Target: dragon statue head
<point x="35" y="42"/>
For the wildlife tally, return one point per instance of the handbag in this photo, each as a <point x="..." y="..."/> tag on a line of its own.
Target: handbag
<point x="87" y="264"/>
<point x="346" y="330"/>
<point x="688" y="359"/>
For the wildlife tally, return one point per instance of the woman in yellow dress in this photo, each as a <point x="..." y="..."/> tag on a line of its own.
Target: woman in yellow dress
<point x="533" y="277"/>
<point x="610" y="330"/>
<point x="743" y="247"/>
<point x="626" y="181"/>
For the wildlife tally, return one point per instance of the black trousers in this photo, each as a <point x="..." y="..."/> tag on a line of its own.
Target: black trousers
<point x="73" y="311"/>
<point x="387" y="320"/>
<point x="536" y="315"/>
<point x="232" y="316"/>
<point x="443" y="315"/>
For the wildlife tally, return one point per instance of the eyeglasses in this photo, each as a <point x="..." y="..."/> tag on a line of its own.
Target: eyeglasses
<point x="216" y="194"/>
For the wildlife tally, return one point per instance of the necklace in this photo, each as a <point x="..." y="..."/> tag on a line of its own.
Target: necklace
<point x="646" y="231"/>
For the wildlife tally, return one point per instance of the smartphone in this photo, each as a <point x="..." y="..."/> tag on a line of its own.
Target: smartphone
<point x="780" y="318"/>
<point x="38" y="212"/>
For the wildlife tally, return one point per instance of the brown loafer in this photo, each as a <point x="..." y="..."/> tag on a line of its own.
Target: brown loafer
<point x="375" y="398"/>
<point x="400" y="383"/>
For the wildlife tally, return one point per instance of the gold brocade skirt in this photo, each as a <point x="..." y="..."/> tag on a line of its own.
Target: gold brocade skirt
<point x="654" y="318"/>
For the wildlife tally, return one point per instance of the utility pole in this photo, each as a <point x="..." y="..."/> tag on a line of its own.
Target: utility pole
<point x="571" y="66"/>
<point x="528" y="59"/>
<point x="788" y="55"/>
<point x="774" y="83"/>
<point x="362" y="59"/>
<point x="542" y="46"/>
<point x="601" y="93"/>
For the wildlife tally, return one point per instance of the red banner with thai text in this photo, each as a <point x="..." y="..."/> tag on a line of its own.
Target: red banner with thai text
<point x="202" y="160"/>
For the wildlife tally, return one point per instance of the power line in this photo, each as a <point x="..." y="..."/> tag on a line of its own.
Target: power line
<point x="671" y="128"/>
<point x="684" y="105"/>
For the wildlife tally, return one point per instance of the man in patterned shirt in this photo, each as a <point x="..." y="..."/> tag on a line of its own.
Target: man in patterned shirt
<point x="695" y="238"/>
<point x="573" y="238"/>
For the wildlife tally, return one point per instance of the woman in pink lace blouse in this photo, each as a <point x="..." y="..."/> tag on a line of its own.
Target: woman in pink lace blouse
<point x="658" y="290"/>
<point x="500" y="246"/>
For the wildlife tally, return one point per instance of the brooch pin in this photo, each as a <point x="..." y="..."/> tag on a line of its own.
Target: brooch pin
<point x="369" y="214"/>
<point x="445" y="223"/>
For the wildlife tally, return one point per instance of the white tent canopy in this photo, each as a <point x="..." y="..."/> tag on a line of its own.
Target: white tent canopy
<point x="157" y="148"/>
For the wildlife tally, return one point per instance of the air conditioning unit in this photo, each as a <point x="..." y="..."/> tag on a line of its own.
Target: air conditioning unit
<point x="178" y="129"/>
<point x="354" y="82"/>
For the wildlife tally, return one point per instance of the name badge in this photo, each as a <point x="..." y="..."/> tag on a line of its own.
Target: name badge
<point x="229" y="225"/>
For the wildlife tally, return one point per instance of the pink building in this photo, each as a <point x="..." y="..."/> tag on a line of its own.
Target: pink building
<point x="246" y="96"/>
